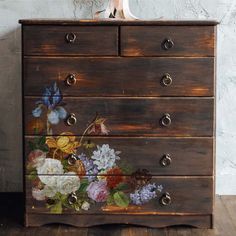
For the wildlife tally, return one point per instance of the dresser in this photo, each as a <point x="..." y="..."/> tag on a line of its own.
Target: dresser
<point x="119" y="122"/>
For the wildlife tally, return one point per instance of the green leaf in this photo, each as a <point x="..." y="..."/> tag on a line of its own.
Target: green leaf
<point x="110" y="200"/>
<point x="56" y="208"/>
<point x="31" y="145"/>
<point x="32" y="175"/>
<point x="126" y="167"/>
<point x="122" y="186"/>
<point x="42" y="141"/>
<point x="83" y="186"/>
<point x="121" y="199"/>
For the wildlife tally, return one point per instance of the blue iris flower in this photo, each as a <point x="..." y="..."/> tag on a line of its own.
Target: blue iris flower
<point x="51" y="99"/>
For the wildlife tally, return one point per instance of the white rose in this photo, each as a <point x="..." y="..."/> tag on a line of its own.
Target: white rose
<point x="105" y="157"/>
<point x="38" y="194"/>
<point x="85" y="206"/>
<point x="48" y="180"/>
<point x="49" y="191"/>
<point x="68" y="183"/>
<point x="50" y="167"/>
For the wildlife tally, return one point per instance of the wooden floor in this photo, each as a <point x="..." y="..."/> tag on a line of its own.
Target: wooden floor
<point x="11" y="223"/>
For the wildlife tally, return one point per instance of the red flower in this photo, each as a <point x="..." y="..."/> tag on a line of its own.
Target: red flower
<point x="114" y="177"/>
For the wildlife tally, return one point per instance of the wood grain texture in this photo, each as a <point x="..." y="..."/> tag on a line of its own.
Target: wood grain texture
<point x="167" y="22"/>
<point x="157" y="221"/>
<point x="134" y="116"/>
<point x="50" y="40"/>
<point x="189" y="195"/>
<point x="190" y="156"/>
<point x="114" y="76"/>
<point x="148" y="41"/>
<point x="11" y="218"/>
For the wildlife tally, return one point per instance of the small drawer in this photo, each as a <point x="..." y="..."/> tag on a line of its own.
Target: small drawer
<point x="163" y="195"/>
<point x="191" y="41"/>
<point x="122" y="116"/>
<point x="120" y="76"/>
<point x="70" y="40"/>
<point x="158" y="156"/>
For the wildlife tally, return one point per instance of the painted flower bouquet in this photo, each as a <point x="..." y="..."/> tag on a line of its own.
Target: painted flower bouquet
<point x="71" y="173"/>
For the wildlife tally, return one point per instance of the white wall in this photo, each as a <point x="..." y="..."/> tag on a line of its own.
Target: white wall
<point x="10" y="72"/>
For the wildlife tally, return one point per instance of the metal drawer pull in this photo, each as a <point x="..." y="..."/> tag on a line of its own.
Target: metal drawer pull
<point x="70" y="80"/>
<point x="70" y="38"/>
<point x="168" y="44"/>
<point x="166" y="80"/>
<point x="166" y="120"/>
<point x="165" y="199"/>
<point x="72" y="159"/>
<point x="166" y="160"/>
<point x="72" y="198"/>
<point x="71" y="119"/>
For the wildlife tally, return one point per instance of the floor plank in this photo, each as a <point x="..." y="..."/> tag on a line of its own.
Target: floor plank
<point x="223" y="223"/>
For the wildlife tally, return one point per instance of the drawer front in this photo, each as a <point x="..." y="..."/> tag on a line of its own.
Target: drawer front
<point x="70" y="40"/>
<point x="167" y="41"/>
<point x="121" y="76"/>
<point x="71" y="195"/>
<point x="122" y="116"/>
<point x="159" y="156"/>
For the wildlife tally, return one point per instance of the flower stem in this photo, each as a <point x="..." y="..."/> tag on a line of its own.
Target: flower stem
<point x="86" y="130"/>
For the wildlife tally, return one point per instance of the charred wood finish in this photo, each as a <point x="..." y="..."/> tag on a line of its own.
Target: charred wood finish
<point x="167" y="41"/>
<point x="50" y="40"/>
<point x="136" y="116"/>
<point x="154" y="83"/>
<point x="121" y="76"/>
<point x="190" y="156"/>
<point x="188" y="195"/>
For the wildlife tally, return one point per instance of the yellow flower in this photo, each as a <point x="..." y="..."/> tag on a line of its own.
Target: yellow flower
<point x="66" y="143"/>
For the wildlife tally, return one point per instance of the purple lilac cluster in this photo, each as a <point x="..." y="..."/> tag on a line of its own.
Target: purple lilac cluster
<point x="91" y="169"/>
<point x="144" y="194"/>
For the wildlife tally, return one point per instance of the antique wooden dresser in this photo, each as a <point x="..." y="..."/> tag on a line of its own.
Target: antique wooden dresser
<point x="119" y="122"/>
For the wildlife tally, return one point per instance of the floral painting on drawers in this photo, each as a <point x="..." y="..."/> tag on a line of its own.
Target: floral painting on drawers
<point x="72" y="172"/>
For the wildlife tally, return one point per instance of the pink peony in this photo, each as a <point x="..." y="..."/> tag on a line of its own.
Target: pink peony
<point x="98" y="191"/>
<point x="36" y="157"/>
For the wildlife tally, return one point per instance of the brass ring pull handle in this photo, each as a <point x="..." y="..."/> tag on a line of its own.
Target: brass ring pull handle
<point x="166" y="160"/>
<point x="72" y="198"/>
<point x="165" y="199"/>
<point x="70" y="37"/>
<point x="70" y="80"/>
<point x="166" y="80"/>
<point x="72" y="159"/>
<point x="168" y="44"/>
<point x="71" y="119"/>
<point x="166" y="120"/>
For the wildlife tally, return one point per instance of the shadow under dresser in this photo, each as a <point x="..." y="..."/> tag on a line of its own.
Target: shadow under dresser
<point x="119" y="122"/>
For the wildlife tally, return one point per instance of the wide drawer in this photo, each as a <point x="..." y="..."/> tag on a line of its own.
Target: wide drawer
<point x="157" y="156"/>
<point x="122" y="116"/>
<point x="70" y="40"/>
<point x="167" y="41"/>
<point x="120" y="76"/>
<point x="158" y="195"/>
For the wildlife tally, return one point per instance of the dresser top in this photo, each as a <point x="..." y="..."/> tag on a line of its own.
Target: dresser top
<point x="115" y="22"/>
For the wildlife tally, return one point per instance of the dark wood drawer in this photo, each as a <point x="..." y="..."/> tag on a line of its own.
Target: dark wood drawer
<point x="70" y="40"/>
<point x="159" y="156"/>
<point x="121" y="76"/>
<point x="167" y="41"/>
<point x="174" y="195"/>
<point x="124" y="116"/>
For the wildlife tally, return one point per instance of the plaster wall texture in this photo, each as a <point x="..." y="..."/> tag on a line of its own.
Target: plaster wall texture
<point x="10" y="72"/>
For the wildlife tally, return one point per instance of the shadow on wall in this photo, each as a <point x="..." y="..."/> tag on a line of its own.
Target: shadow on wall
<point x="10" y="108"/>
